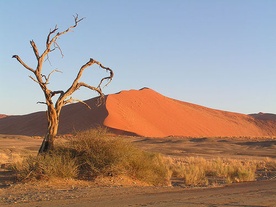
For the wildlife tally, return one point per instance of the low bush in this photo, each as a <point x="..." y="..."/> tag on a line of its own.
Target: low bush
<point x="46" y="167"/>
<point x="94" y="153"/>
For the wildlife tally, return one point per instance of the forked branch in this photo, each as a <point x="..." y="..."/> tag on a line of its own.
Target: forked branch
<point x="22" y="63"/>
<point x="48" y="77"/>
<point x="76" y="84"/>
<point x="52" y="40"/>
<point x="72" y="100"/>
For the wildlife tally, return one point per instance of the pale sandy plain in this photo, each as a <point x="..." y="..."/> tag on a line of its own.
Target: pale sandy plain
<point x="160" y="124"/>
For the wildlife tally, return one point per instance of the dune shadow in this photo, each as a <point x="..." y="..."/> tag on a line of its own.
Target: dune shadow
<point x="122" y="132"/>
<point x="73" y="117"/>
<point x="198" y="139"/>
<point x="259" y="143"/>
<point x="160" y="141"/>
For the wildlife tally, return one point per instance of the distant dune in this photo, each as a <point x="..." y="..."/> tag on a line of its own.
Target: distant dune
<point x="264" y="116"/>
<point x="2" y="116"/>
<point x="74" y="117"/>
<point x="145" y="113"/>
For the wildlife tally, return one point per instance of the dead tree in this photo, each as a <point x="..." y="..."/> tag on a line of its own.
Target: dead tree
<point x="64" y="97"/>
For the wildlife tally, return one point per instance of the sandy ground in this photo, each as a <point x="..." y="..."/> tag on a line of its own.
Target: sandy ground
<point x="259" y="193"/>
<point x="251" y="194"/>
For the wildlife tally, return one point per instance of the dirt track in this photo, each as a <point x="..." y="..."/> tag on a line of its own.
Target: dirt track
<point x="262" y="193"/>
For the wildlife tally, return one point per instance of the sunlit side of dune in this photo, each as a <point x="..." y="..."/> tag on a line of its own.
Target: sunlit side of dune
<point x="148" y="113"/>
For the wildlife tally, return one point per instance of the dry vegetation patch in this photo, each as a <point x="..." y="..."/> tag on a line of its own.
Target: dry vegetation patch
<point x="92" y="154"/>
<point x="105" y="159"/>
<point x="197" y="171"/>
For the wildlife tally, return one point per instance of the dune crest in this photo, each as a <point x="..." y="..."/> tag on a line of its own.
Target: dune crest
<point x="148" y="113"/>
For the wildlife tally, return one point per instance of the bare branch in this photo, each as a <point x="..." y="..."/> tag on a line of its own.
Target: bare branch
<point x="33" y="79"/>
<point x="97" y="89"/>
<point x="77" y="20"/>
<point x="109" y="78"/>
<point x="35" y="49"/>
<point x="22" y="63"/>
<point x="53" y="93"/>
<point x="58" y="47"/>
<point x="41" y="102"/>
<point x="52" y="41"/>
<point x="76" y="84"/>
<point x="44" y="76"/>
<point x="71" y="100"/>
<point x="49" y="35"/>
<point x="48" y="78"/>
<point x="47" y="58"/>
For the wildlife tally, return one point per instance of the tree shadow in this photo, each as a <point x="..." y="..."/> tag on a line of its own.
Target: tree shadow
<point x="7" y="177"/>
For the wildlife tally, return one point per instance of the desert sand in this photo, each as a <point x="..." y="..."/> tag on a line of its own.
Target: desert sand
<point x="148" y="113"/>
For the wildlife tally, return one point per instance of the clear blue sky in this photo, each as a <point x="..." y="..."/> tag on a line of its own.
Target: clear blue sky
<point x="216" y="53"/>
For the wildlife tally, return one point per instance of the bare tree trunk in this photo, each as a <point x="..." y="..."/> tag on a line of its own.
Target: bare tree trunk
<point x="53" y="123"/>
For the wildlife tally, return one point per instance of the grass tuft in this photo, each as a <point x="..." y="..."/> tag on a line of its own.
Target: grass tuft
<point x="197" y="171"/>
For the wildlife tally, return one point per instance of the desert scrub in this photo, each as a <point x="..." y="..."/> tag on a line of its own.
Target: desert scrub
<point x="197" y="171"/>
<point x="99" y="154"/>
<point x="94" y="153"/>
<point x="192" y="170"/>
<point x="268" y="164"/>
<point x="46" y="167"/>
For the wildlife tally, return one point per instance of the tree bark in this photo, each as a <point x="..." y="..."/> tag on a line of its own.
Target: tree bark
<point x="53" y="123"/>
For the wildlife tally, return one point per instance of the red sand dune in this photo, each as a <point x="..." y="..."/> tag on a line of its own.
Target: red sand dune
<point x="146" y="113"/>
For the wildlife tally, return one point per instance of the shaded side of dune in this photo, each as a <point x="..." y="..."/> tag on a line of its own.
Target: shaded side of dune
<point x="30" y="124"/>
<point x="148" y="113"/>
<point x="74" y="117"/>
<point x="264" y="116"/>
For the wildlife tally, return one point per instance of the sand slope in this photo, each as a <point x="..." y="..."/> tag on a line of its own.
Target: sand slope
<point x="74" y="117"/>
<point x="146" y="113"/>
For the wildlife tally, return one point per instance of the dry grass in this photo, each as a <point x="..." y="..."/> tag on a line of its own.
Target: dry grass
<point x="91" y="154"/>
<point x="4" y="158"/>
<point x="46" y="167"/>
<point x="267" y="164"/>
<point x="197" y="171"/>
<point x="96" y="155"/>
